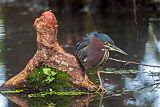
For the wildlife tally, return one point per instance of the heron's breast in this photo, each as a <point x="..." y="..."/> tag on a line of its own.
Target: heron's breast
<point x="95" y="58"/>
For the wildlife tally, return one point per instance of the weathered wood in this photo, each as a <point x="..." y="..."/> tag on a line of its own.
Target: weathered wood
<point x="51" y="54"/>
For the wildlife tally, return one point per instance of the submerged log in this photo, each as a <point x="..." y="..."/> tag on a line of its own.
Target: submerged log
<point x="51" y="54"/>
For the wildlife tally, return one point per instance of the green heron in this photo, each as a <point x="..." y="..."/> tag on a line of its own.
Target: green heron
<point x="93" y="49"/>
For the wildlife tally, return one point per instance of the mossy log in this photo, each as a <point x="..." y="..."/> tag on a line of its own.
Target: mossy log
<point x="51" y="54"/>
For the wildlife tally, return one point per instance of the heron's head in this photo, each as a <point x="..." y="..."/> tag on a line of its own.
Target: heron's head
<point x="107" y="43"/>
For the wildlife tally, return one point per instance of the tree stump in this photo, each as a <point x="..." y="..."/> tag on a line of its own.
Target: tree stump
<point x="51" y="54"/>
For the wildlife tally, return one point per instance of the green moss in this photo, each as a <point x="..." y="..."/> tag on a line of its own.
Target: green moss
<point x="49" y="79"/>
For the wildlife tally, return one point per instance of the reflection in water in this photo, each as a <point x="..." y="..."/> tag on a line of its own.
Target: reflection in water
<point x="150" y="96"/>
<point x="3" y="100"/>
<point x="52" y="100"/>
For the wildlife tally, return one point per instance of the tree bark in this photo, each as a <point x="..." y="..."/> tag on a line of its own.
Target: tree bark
<point x="51" y="54"/>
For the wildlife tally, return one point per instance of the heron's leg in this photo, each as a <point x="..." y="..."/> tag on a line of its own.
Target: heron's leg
<point x="99" y="77"/>
<point x="101" y="87"/>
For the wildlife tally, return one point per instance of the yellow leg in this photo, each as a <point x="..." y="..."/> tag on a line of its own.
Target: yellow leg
<point x="99" y="77"/>
<point x="101" y="87"/>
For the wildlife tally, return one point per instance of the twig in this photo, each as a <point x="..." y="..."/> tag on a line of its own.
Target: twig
<point x="155" y="87"/>
<point x="132" y="62"/>
<point x="150" y="86"/>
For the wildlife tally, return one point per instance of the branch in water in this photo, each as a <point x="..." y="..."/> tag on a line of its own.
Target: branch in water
<point x="132" y="62"/>
<point x="157" y="84"/>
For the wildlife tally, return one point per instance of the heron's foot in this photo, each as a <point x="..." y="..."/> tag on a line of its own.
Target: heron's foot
<point x="101" y="89"/>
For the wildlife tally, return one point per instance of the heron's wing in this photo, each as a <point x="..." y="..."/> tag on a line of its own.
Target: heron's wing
<point x="81" y="52"/>
<point x="83" y="42"/>
<point x="82" y="48"/>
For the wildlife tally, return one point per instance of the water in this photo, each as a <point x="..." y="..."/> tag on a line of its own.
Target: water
<point x="151" y="57"/>
<point x="17" y="46"/>
<point x="3" y="100"/>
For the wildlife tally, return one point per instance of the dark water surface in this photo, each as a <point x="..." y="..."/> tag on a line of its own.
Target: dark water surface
<point x="141" y="41"/>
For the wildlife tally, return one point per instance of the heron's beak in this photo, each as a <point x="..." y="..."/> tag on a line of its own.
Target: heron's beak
<point x="115" y="48"/>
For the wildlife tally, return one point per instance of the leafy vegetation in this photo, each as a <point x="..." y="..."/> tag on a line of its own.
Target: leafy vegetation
<point x="50" y="74"/>
<point x="49" y="79"/>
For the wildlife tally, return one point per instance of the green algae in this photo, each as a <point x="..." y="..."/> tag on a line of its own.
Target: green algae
<point x="48" y="79"/>
<point x="10" y="91"/>
<point x="43" y="94"/>
<point x="120" y="71"/>
<point x="109" y="71"/>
